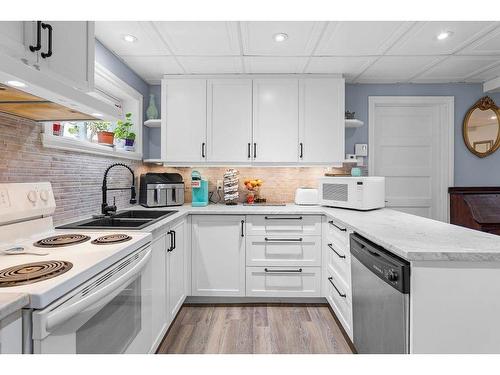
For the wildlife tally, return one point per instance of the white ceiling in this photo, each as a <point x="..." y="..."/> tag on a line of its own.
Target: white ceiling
<point x="370" y="52"/>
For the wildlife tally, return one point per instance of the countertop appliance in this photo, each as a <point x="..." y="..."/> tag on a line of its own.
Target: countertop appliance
<point x="306" y="196"/>
<point x="359" y="193"/>
<point x="199" y="188"/>
<point x="161" y="190"/>
<point x="89" y="291"/>
<point x="380" y="299"/>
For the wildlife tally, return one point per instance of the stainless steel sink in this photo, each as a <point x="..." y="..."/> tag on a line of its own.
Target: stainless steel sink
<point x="129" y="219"/>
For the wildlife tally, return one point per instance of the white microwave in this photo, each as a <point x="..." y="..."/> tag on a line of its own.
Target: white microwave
<point x="359" y="193"/>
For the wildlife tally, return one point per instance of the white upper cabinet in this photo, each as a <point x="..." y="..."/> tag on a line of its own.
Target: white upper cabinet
<point x="73" y="52"/>
<point x="321" y="120"/>
<point x="229" y="122"/>
<point x="184" y="120"/>
<point x="275" y="121"/>
<point x="15" y="39"/>
<point x="63" y="50"/>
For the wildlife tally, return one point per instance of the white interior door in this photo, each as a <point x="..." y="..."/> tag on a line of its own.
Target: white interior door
<point x="411" y="144"/>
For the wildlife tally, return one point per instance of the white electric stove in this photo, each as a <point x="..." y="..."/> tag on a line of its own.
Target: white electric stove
<point x="90" y="291"/>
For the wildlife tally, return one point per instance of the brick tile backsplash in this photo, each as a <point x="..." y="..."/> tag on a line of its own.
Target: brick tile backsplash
<point x="76" y="177"/>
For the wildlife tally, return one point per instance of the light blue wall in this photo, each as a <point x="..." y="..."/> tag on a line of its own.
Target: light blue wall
<point x="469" y="169"/>
<point x="109" y="60"/>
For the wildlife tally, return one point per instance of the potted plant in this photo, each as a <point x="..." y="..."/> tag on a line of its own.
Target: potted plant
<point x="101" y="128"/>
<point x="125" y="138"/>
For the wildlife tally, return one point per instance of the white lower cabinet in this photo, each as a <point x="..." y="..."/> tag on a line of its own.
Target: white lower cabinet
<point x="176" y="267"/>
<point x="159" y="321"/>
<point x="218" y="255"/>
<point x="283" y="281"/>
<point x="11" y="334"/>
<point x="340" y="299"/>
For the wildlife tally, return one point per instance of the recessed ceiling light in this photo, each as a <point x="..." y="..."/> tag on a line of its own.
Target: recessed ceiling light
<point x="444" y="35"/>
<point x="95" y="114"/>
<point x="280" y="37"/>
<point x="16" y="83"/>
<point x="129" y="38"/>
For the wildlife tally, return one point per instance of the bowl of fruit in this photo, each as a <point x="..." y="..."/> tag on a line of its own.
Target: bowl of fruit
<point x="253" y="190"/>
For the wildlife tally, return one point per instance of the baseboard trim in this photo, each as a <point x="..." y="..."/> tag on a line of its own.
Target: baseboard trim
<point x="200" y="300"/>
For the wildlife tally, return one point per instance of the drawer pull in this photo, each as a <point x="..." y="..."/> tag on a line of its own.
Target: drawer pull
<point x="283" y="271"/>
<point x="283" y="239"/>
<point x="335" y="251"/>
<point x="336" y="226"/>
<point x="283" y="218"/>
<point x="340" y="294"/>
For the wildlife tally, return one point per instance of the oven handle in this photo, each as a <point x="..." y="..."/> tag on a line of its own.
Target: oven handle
<point x="60" y="316"/>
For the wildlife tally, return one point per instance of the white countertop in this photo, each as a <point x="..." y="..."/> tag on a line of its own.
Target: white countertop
<point x="12" y="302"/>
<point x="411" y="237"/>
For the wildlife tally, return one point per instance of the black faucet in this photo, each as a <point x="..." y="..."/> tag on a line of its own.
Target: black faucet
<point x="110" y="210"/>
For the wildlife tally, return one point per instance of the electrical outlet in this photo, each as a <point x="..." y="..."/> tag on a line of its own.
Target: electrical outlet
<point x="219" y="184"/>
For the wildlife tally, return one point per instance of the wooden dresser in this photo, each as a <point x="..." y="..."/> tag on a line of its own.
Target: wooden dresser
<point x="476" y="208"/>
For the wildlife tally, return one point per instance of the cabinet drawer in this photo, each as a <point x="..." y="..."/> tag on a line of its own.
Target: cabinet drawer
<point x="340" y="299"/>
<point x="338" y="259"/>
<point x="283" y="281"/>
<point x="283" y="224"/>
<point x="337" y="232"/>
<point x="273" y="250"/>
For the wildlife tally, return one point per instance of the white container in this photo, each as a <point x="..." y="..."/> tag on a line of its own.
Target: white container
<point x="305" y="196"/>
<point x="359" y="193"/>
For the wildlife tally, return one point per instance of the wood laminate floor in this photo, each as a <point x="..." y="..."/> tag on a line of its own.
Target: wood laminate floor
<point x="259" y="329"/>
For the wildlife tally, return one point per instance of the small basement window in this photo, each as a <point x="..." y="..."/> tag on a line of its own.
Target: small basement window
<point x="121" y="138"/>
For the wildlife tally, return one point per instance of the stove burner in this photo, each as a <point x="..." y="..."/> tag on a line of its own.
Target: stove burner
<point x="30" y="273"/>
<point x="62" y="240"/>
<point x="111" y="239"/>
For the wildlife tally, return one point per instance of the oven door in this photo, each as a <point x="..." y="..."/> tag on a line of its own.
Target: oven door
<point x="109" y="314"/>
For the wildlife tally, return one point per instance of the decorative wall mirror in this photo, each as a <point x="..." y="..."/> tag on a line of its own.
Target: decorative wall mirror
<point x="481" y="129"/>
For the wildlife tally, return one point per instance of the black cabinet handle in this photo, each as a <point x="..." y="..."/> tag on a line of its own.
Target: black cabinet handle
<point x="203" y="150"/>
<point x="175" y="239"/>
<point x="249" y="151"/>
<point x="255" y="150"/>
<point x="330" y="279"/>
<point x="242" y="228"/>
<point x="38" y="45"/>
<point x="282" y="271"/>
<point x="336" y="226"/>
<point x="335" y="251"/>
<point x="282" y="239"/>
<point x="171" y="247"/>
<point x="283" y="218"/>
<point x="301" y="150"/>
<point x="49" y="49"/>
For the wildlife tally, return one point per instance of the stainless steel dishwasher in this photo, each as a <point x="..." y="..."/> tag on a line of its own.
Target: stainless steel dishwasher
<point x="380" y="298"/>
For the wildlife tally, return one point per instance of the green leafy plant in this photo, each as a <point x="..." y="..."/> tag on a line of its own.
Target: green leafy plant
<point x="123" y="128"/>
<point x="97" y="126"/>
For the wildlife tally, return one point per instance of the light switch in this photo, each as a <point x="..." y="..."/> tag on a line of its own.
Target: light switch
<point x="4" y="198"/>
<point x="361" y="149"/>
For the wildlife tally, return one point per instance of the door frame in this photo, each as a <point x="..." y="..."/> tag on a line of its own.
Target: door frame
<point x="446" y="105"/>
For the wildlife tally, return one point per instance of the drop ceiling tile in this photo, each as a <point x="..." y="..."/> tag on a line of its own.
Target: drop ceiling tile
<point x="457" y="69"/>
<point x="211" y="64"/>
<point x="257" y="64"/>
<point x="360" y="38"/>
<point x="486" y="45"/>
<point x="422" y="38"/>
<point x="350" y="67"/>
<point x="258" y="37"/>
<point x="200" y="38"/>
<point x="392" y="69"/>
<point x="153" y="67"/>
<point x="111" y="33"/>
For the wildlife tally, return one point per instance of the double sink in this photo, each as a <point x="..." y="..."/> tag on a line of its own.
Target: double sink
<point x="130" y="219"/>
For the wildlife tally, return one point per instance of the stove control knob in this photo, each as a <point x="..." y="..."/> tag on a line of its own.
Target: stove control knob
<point x="44" y="195"/>
<point x="32" y="196"/>
<point x="392" y="276"/>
